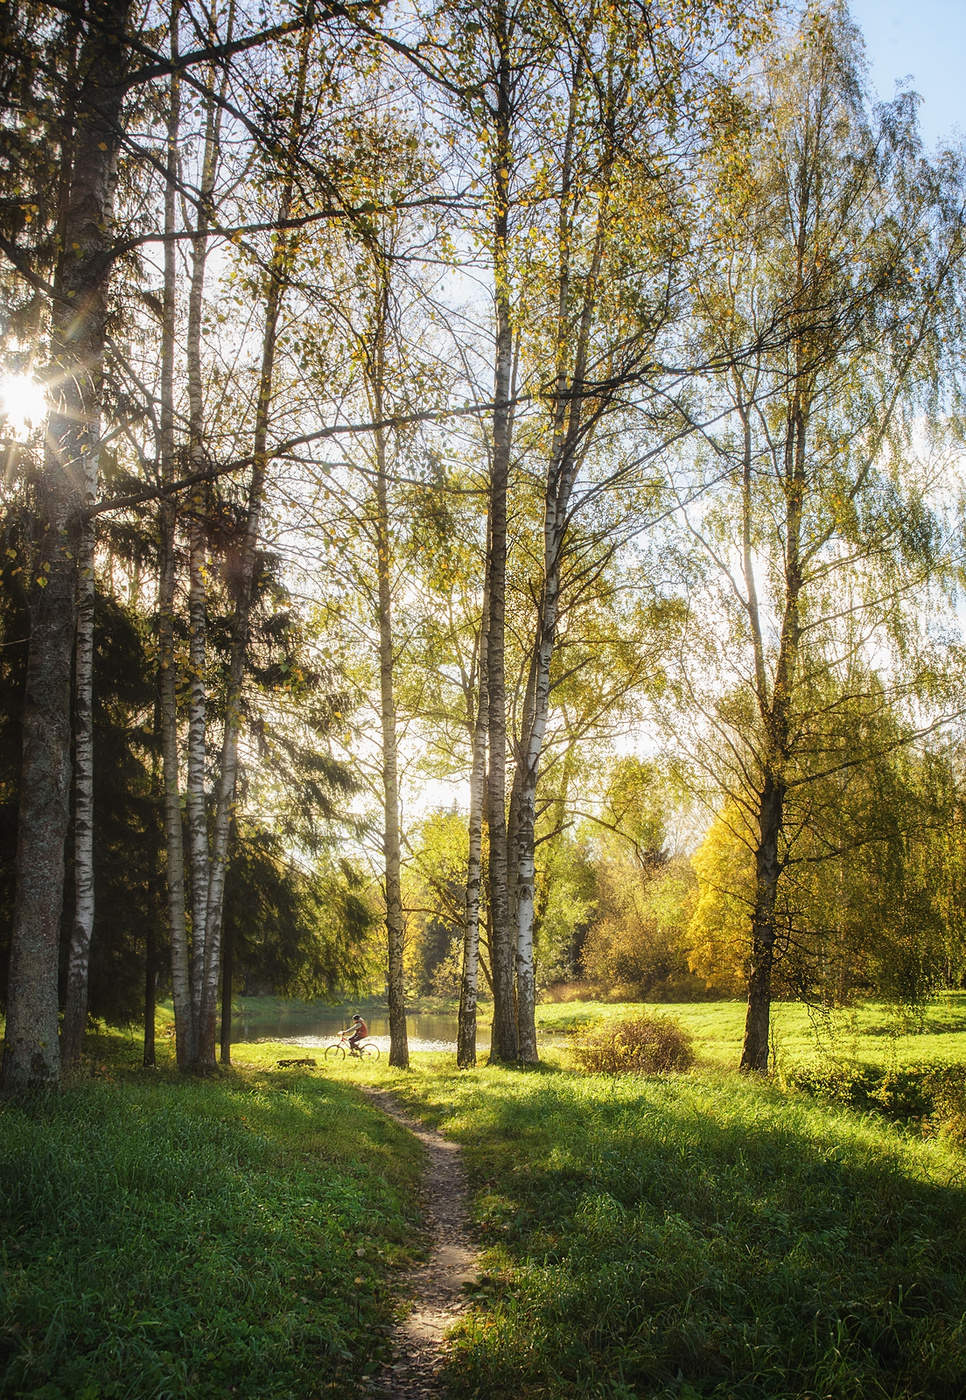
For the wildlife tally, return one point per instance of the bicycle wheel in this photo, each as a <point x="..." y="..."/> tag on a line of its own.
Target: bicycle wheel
<point x="369" y="1050"/>
<point x="335" y="1052"/>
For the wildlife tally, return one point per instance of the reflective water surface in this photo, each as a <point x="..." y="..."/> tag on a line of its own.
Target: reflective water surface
<point x="426" y="1032"/>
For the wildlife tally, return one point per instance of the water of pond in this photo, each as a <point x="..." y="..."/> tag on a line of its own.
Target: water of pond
<point x="426" y="1032"/>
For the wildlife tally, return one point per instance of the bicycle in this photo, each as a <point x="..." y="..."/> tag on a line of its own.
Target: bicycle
<point x="365" y="1050"/>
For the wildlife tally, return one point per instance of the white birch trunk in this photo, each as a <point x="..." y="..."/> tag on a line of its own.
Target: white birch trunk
<point x="392" y="841"/>
<point x="503" y="1036"/>
<point x="569" y="443"/>
<point x="195" y="796"/>
<point x="224" y="807"/>
<point x="167" y="668"/>
<point x="469" y="979"/>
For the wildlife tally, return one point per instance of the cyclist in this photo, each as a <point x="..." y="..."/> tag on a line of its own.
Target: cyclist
<point x="359" y="1031"/>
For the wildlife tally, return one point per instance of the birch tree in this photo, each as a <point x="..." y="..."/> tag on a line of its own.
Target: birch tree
<point x="376" y="377"/>
<point x="167" y="583"/>
<point x="840" y="248"/>
<point x="115" y="63"/>
<point x="496" y="69"/>
<point x="283" y="251"/>
<point x="601" y="279"/>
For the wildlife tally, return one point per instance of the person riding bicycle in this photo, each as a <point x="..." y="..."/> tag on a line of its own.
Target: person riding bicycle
<point x="359" y="1031"/>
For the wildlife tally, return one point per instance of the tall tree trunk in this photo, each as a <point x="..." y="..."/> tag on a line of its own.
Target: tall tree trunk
<point x="392" y="844"/>
<point x="775" y="710"/>
<point x="196" y="804"/>
<point x="78" y="315"/>
<point x="150" y="998"/>
<point x="82" y="928"/>
<point x="278" y="273"/>
<point x="78" y="957"/>
<point x="173" y="827"/>
<point x="524" y="832"/>
<point x="392" y="835"/>
<point x="570" y="438"/>
<point x="570" y="441"/>
<point x="167" y="579"/>
<point x="469" y="978"/>
<point x="227" y="974"/>
<point x="79" y="949"/>
<point x="523" y="800"/>
<point x="503" y="1040"/>
<point x="754" y="1051"/>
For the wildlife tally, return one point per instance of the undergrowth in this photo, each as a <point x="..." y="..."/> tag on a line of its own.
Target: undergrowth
<point x="642" y="1044"/>
<point x="701" y="1236"/>
<point x="930" y="1098"/>
<point x="171" y="1238"/>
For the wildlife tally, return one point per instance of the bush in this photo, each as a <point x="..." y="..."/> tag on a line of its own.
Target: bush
<point x="637" y="1045"/>
<point x="931" y="1096"/>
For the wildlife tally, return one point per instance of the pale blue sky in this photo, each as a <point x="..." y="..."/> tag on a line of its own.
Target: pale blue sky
<point x="924" y="40"/>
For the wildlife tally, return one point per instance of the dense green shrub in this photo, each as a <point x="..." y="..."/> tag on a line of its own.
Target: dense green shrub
<point x="637" y="1045"/>
<point x="933" y="1096"/>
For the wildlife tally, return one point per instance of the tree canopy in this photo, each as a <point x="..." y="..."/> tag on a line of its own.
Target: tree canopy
<point x="481" y="480"/>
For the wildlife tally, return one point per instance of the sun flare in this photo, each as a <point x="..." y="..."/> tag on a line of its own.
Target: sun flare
<point x="23" y="404"/>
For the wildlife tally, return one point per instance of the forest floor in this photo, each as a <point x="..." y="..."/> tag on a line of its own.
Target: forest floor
<point x="273" y="1233"/>
<point x="436" y="1286"/>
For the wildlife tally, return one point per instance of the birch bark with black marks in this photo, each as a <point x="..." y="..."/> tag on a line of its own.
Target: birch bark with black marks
<point x="227" y="976"/>
<point x="283" y="251"/>
<point x="392" y="842"/>
<point x="196" y="803"/>
<point x="470" y="971"/>
<point x="775" y="716"/>
<point x="167" y="582"/>
<point x="774" y="705"/>
<point x="503" y="1038"/>
<point x="571" y="432"/>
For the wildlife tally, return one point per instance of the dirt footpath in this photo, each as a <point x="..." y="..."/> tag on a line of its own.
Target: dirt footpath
<point x="437" y="1286"/>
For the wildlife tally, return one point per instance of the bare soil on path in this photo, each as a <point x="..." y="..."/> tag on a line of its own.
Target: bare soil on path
<point x="437" y="1286"/>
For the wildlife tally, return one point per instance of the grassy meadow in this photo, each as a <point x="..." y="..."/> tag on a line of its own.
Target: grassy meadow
<point x="703" y="1235"/>
<point x="870" y="1033"/>
<point x="183" y="1238"/>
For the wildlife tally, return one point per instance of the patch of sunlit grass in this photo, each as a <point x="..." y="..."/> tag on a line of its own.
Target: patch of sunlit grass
<point x="872" y="1032"/>
<point x="230" y="1236"/>
<point x="705" y="1235"/>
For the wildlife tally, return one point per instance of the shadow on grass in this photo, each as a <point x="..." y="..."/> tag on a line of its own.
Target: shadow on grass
<point x="707" y="1237"/>
<point x="234" y="1236"/>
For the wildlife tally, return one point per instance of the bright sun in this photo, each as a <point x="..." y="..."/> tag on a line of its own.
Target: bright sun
<point x="22" y="403"/>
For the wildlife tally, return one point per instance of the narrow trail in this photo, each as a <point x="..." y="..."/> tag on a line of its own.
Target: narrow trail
<point x="437" y="1285"/>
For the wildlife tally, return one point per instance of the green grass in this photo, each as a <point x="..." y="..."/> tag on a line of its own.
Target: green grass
<point x="700" y="1236"/>
<point x="170" y="1238"/>
<point x="872" y="1032"/>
